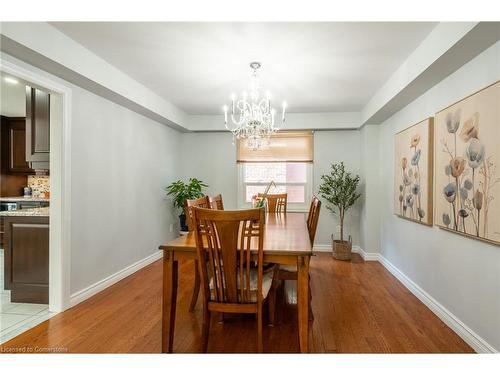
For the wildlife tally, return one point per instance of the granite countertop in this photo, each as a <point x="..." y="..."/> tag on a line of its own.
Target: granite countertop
<point x="24" y="199"/>
<point x="41" y="211"/>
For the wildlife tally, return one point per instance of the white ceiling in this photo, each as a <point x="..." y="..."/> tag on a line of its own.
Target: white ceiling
<point x="315" y="67"/>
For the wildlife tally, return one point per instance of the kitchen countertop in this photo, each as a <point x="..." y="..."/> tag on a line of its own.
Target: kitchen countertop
<point x="24" y="199"/>
<point x="41" y="211"/>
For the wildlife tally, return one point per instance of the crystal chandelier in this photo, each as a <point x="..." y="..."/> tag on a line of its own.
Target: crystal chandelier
<point x="252" y="116"/>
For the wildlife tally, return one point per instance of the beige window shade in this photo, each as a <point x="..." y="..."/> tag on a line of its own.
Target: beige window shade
<point x="283" y="146"/>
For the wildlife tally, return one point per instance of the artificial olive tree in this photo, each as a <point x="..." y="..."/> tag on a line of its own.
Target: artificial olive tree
<point x="339" y="188"/>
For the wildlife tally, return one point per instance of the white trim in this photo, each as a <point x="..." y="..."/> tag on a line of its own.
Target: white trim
<point x="367" y="257"/>
<point x="60" y="163"/>
<point x="99" y="286"/>
<point x="322" y="248"/>
<point x="460" y="328"/>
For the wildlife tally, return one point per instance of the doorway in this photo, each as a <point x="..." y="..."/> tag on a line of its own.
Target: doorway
<point x="48" y="194"/>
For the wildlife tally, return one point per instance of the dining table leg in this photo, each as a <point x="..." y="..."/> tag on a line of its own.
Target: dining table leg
<point x="169" y="301"/>
<point x="303" y="302"/>
<point x="196" y="287"/>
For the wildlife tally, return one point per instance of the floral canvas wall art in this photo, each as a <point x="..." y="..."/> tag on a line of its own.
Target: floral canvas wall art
<point x="413" y="172"/>
<point x="467" y="192"/>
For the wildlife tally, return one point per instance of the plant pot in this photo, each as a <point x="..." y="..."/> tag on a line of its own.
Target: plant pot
<point x="342" y="250"/>
<point x="182" y="221"/>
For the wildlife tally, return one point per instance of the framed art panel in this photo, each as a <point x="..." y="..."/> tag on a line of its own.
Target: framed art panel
<point x="414" y="172"/>
<point x="467" y="192"/>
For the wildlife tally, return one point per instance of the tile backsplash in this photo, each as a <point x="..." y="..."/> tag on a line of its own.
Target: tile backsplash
<point x="39" y="185"/>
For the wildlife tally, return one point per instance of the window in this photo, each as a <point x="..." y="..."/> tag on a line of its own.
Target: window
<point x="286" y="160"/>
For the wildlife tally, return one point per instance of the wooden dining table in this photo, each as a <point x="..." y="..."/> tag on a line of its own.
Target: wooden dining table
<point x="286" y="241"/>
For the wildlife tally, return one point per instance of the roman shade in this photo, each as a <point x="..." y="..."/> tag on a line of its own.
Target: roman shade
<point x="283" y="146"/>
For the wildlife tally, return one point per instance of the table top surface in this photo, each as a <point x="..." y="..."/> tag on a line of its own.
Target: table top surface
<point x="284" y="234"/>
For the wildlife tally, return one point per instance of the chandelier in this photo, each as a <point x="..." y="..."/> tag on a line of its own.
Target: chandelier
<point x="252" y="116"/>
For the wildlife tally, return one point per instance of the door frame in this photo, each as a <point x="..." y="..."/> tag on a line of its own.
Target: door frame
<point x="60" y="178"/>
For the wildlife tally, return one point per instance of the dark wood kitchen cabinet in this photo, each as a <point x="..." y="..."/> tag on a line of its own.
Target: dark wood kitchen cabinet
<point x="27" y="258"/>
<point x="37" y="128"/>
<point x="17" y="146"/>
<point x="23" y="205"/>
<point x="13" y="166"/>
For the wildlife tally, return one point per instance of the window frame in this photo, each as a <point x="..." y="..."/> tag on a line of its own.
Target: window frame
<point x="291" y="207"/>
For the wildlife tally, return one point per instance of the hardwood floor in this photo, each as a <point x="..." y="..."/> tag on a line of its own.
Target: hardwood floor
<point x="358" y="308"/>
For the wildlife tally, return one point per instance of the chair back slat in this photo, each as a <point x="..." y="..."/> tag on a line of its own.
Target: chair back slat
<point x="311" y="209"/>
<point x="313" y="218"/>
<point x="276" y="203"/>
<point x="216" y="203"/>
<point x="224" y="241"/>
<point x="202" y="202"/>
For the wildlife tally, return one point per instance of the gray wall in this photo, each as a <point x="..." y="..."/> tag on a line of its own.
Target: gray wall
<point x="460" y="273"/>
<point x="370" y="189"/>
<point x="211" y="157"/>
<point x="121" y="163"/>
<point x="330" y="147"/>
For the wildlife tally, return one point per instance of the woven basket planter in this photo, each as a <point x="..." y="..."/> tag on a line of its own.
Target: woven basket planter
<point x="342" y="250"/>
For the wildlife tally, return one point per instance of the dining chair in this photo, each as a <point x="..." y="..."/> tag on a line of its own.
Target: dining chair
<point x="313" y="218"/>
<point x="309" y="214"/>
<point x="231" y="283"/>
<point x="276" y="203"/>
<point x="290" y="272"/>
<point x="202" y="202"/>
<point x="190" y="203"/>
<point x="216" y="202"/>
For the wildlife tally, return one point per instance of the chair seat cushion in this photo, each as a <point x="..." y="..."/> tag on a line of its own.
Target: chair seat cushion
<point x="288" y="268"/>
<point x="267" y="280"/>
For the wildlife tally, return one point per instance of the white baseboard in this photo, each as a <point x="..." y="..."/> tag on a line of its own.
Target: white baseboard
<point x="99" y="286"/>
<point x="368" y="257"/>
<point x="461" y="329"/>
<point x="467" y="334"/>
<point x="322" y="248"/>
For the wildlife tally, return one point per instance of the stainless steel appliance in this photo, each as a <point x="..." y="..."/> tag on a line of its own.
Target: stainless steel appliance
<point x="27" y="191"/>
<point x="8" y="206"/>
<point x="21" y="205"/>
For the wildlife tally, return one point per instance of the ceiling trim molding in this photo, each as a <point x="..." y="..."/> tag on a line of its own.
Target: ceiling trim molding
<point x="447" y="48"/>
<point x="294" y="121"/>
<point x="45" y="47"/>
